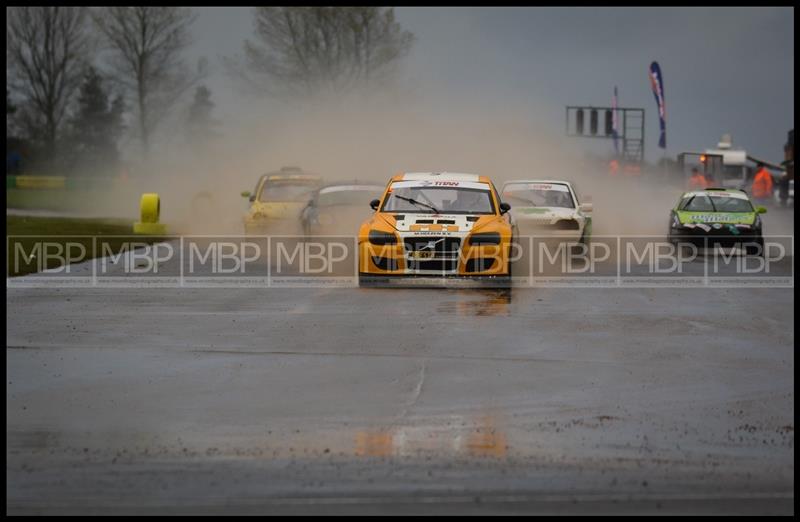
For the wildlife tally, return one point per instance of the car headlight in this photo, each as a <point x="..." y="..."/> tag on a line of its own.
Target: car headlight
<point x="376" y="237"/>
<point x="757" y="222"/>
<point x="675" y="221"/>
<point x="485" y="238"/>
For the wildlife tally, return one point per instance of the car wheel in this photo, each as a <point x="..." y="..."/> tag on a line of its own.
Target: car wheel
<point x="755" y="250"/>
<point x="672" y="241"/>
<point x="364" y="281"/>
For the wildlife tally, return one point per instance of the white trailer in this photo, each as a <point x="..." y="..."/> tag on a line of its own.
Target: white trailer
<point x="738" y="167"/>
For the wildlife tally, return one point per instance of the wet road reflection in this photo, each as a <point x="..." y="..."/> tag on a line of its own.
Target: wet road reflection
<point x="477" y="437"/>
<point x="488" y="303"/>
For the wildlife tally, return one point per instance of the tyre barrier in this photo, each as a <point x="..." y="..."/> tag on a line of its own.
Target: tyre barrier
<point x="150" y="211"/>
<point x="37" y="182"/>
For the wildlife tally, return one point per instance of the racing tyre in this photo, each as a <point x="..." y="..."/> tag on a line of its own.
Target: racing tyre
<point x="505" y="281"/>
<point x="755" y="250"/>
<point x="583" y="243"/>
<point x="365" y="281"/>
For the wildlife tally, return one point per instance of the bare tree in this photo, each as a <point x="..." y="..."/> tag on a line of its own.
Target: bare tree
<point x="146" y="44"/>
<point x="305" y="50"/>
<point x="46" y="50"/>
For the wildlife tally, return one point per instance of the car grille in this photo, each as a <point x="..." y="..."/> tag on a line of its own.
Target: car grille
<point x="445" y="253"/>
<point x="442" y="244"/>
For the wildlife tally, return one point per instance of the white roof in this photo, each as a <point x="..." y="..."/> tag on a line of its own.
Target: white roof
<point x="717" y="194"/>
<point x="344" y="188"/>
<point x="538" y="181"/>
<point x="439" y="176"/>
<point x="730" y="157"/>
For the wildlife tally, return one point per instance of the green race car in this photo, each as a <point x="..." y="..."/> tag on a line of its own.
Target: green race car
<point x="717" y="217"/>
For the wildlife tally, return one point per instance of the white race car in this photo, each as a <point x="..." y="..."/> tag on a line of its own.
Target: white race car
<point x="548" y="208"/>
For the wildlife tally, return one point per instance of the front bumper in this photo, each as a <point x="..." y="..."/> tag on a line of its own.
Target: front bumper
<point x="726" y="235"/>
<point x="434" y="281"/>
<point x="270" y="225"/>
<point x="452" y="257"/>
<point x="550" y="232"/>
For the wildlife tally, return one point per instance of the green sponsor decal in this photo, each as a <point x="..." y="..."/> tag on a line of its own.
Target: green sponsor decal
<point x="532" y="210"/>
<point x="740" y="218"/>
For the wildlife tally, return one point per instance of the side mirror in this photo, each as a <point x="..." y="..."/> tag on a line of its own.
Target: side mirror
<point x="245" y="193"/>
<point x="374" y="204"/>
<point x="586" y="207"/>
<point x="504" y="207"/>
<point x="761" y="210"/>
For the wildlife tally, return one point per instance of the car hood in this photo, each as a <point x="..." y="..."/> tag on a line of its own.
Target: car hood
<point x="446" y="224"/>
<point x="339" y="219"/>
<point x="277" y="209"/>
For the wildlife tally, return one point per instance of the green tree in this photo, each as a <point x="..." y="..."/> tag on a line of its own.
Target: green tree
<point x="96" y="126"/>
<point x="200" y="124"/>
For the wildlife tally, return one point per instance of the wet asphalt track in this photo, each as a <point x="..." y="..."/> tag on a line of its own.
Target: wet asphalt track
<point x="325" y="400"/>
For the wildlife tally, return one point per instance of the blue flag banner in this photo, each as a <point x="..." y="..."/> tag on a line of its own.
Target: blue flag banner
<point x="657" y="82"/>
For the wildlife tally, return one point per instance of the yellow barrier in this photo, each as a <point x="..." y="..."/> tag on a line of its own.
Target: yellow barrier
<point x="41" y="182"/>
<point x="150" y="210"/>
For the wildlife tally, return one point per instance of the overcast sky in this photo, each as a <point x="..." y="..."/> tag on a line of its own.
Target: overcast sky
<point x="726" y="70"/>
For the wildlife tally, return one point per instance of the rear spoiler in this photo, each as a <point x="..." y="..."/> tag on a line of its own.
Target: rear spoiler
<point x="726" y="189"/>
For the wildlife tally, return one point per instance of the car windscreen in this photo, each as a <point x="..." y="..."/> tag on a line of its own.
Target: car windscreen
<point x="731" y="204"/>
<point x="717" y="203"/>
<point x="348" y="195"/>
<point x="295" y="190"/>
<point x="538" y="195"/>
<point x="406" y="197"/>
<point x="699" y="203"/>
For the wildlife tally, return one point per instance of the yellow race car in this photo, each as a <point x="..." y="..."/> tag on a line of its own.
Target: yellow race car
<point x="437" y="225"/>
<point x="278" y="200"/>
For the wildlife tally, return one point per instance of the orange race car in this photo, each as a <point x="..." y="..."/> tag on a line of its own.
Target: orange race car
<point x="437" y="225"/>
